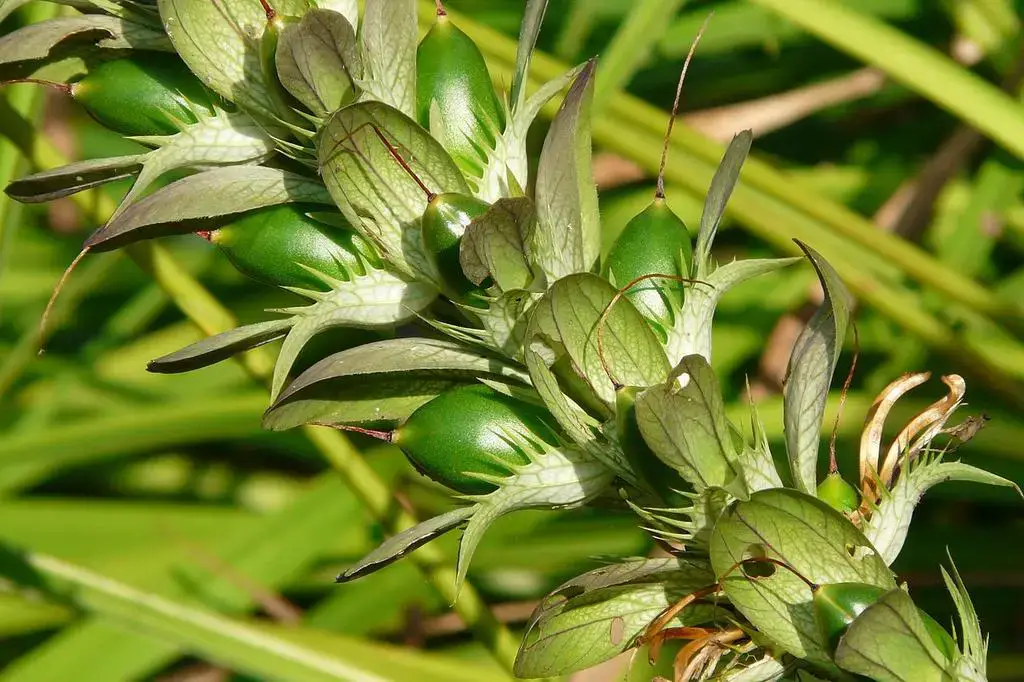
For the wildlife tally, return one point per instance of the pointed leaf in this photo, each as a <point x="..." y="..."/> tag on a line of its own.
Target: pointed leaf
<point x="318" y="61"/>
<point x="397" y="546"/>
<point x="692" y="330"/>
<point x="404" y="357"/>
<point x="628" y="352"/>
<point x="888" y="642"/>
<point x="372" y="189"/>
<point x="389" y="53"/>
<point x="686" y="427"/>
<point x="973" y="643"/>
<point x="374" y="300"/>
<point x="601" y="614"/>
<point x="495" y="245"/>
<point x="529" y="29"/>
<point x="223" y="140"/>
<point x="224" y="191"/>
<point x="811" y="366"/>
<point x="73" y="178"/>
<point x="36" y="41"/>
<point x="568" y="235"/>
<point x="213" y="349"/>
<point x="806" y="534"/>
<point x="887" y="529"/>
<point x="220" y="43"/>
<point x="722" y="185"/>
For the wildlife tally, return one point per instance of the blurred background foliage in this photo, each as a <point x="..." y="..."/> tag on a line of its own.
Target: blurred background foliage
<point x="167" y="486"/>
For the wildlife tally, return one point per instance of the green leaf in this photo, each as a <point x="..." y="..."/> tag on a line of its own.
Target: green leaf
<point x="401" y="373"/>
<point x="397" y="546"/>
<point x="213" y="349"/>
<point x="389" y="53"/>
<point x="686" y="427"/>
<point x="373" y="191"/>
<point x="371" y="301"/>
<point x="220" y="43"/>
<point x="529" y="29"/>
<point x="973" y="642"/>
<point x="73" y="178"/>
<point x="811" y="366"/>
<point x="629" y="351"/>
<point x="890" y="522"/>
<point x="599" y="615"/>
<point x="318" y="61"/>
<point x="346" y="8"/>
<point x="36" y="41"/>
<point x="568" y="235"/>
<point x="224" y="140"/>
<point x="495" y="245"/>
<point x="888" y="642"/>
<point x="812" y="538"/>
<point x="722" y="184"/>
<point x="692" y="330"/>
<point x="223" y="191"/>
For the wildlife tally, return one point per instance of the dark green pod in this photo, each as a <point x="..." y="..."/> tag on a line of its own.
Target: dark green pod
<point x="272" y="244"/>
<point x="147" y="94"/>
<point x="444" y="222"/>
<point x="452" y="76"/>
<point x="662" y="479"/>
<point x="655" y="241"/>
<point x="837" y="605"/>
<point x="838" y="494"/>
<point x="462" y="432"/>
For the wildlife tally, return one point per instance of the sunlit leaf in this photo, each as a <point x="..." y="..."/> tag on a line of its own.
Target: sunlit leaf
<point x="36" y="41"/>
<point x="686" y="427"/>
<point x="213" y="349"/>
<point x="318" y="61"/>
<point x="811" y="366"/>
<point x="220" y="43"/>
<point x="389" y="53"/>
<point x="224" y="191"/>
<point x="600" y="614"/>
<point x="888" y="642"/>
<point x="812" y="538"/>
<point x="73" y="178"/>
<point x="722" y="185"/>
<point x="379" y="197"/>
<point x="628" y="352"/>
<point x="397" y="546"/>
<point x="568" y="235"/>
<point x="495" y="244"/>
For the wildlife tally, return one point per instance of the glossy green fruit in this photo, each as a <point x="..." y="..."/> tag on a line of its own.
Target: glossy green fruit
<point x="837" y="605"/>
<point x="462" y="432"/>
<point x="663" y="479"/>
<point x="148" y="94"/>
<point x="838" y="494"/>
<point x="452" y="77"/>
<point x="655" y="241"/>
<point x="444" y="222"/>
<point x="272" y="244"/>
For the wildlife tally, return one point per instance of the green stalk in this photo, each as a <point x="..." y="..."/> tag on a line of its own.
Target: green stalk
<point x="207" y="313"/>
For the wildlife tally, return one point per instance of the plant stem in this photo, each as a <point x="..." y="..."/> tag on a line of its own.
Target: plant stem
<point x="207" y="313"/>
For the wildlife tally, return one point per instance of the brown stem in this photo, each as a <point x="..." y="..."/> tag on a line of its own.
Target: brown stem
<point x="405" y="166"/>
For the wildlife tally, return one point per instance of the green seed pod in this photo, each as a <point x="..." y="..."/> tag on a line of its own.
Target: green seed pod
<point x="273" y="244"/>
<point x="462" y="432"/>
<point x="837" y="605"/>
<point x="147" y="94"/>
<point x="444" y="222"/>
<point x="664" y="480"/>
<point x="838" y="494"/>
<point x="655" y="241"/>
<point x="452" y="78"/>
